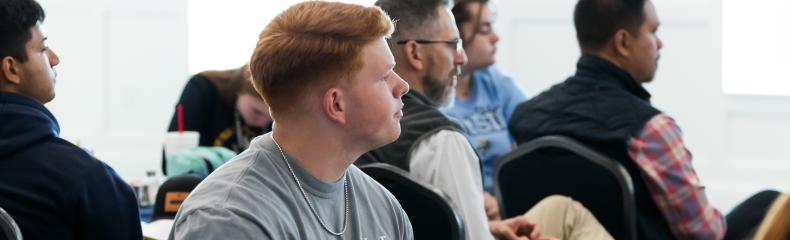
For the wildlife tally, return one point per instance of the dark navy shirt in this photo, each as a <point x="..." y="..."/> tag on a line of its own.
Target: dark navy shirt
<point x="54" y="189"/>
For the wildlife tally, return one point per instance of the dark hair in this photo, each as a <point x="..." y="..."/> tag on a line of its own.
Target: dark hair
<point x="412" y="16"/>
<point x="463" y="15"/>
<point x="16" y="19"/>
<point x="231" y="83"/>
<point x="596" y="21"/>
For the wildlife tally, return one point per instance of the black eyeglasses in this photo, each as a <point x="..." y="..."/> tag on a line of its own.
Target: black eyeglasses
<point x="458" y="43"/>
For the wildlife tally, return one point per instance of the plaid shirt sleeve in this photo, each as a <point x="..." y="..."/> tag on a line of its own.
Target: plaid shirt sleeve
<point x="666" y="164"/>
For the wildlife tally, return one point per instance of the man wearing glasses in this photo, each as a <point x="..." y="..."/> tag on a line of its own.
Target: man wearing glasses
<point x="432" y="148"/>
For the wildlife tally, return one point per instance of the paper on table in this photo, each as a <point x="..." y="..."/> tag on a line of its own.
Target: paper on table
<point x="157" y="230"/>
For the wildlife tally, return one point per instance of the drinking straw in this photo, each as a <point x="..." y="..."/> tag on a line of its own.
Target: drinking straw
<point x="180" y="118"/>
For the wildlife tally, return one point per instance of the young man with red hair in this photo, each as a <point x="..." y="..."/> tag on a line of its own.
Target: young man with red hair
<point x="326" y="71"/>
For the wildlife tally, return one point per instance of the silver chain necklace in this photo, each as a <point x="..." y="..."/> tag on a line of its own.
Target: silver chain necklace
<point x="307" y="199"/>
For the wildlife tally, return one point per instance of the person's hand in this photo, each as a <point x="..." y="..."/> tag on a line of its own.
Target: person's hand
<point x="491" y="206"/>
<point x="517" y="228"/>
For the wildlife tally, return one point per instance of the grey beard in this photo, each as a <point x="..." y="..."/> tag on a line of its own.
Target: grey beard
<point x="441" y="94"/>
<point x="449" y="98"/>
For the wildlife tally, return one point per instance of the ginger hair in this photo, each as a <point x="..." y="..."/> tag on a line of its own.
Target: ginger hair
<point x="310" y="47"/>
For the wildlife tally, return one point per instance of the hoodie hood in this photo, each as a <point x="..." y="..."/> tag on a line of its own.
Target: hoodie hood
<point x="23" y="121"/>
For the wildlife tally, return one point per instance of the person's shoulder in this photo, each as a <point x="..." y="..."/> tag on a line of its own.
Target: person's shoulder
<point x="373" y="189"/>
<point x="228" y="179"/>
<point x="448" y="135"/>
<point x="60" y="166"/>
<point x="67" y="157"/>
<point x="200" y="83"/>
<point x="496" y="82"/>
<point x="237" y="197"/>
<point x="441" y="137"/>
<point x="226" y="222"/>
<point x="449" y="141"/>
<point x="367" y="182"/>
<point x="244" y="182"/>
<point x="76" y="172"/>
<point x="199" y="79"/>
<point x="494" y="76"/>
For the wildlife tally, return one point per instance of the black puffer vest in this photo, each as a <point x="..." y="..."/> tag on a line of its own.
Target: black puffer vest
<point x="601" y="106"/>
<point x="421" y="119"/>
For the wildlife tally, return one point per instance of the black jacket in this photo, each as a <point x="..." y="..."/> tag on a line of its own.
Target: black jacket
<point x="54" y="189"/>
<point x="601" y="106"/>
<point x="421" y="119"/>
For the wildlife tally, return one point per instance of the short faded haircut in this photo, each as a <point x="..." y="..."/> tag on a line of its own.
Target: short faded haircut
<point x="597" y="21"/>
<point x="413" y="17"/>
<point x="312" y="46"/>
<point x="16" y="19"/>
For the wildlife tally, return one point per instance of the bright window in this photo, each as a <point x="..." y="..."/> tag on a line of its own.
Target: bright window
<point x="223" y="34"/>
<point x="756" y="47"/>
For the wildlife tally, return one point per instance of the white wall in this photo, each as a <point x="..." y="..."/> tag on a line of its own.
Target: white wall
<point x="210" y="24"/>
<point x="124" y="63"/>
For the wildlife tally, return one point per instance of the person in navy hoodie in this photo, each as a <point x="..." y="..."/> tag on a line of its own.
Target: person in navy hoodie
<point x="50" y="187"/>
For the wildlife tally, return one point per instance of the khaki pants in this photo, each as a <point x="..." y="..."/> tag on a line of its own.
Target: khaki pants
<point x="563" y="218"/>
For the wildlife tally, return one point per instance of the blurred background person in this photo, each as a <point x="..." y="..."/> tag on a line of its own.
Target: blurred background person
<point x="224" y="108"/>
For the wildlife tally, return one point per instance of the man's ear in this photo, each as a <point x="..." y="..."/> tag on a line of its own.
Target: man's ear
<point x="622" y="41"/>
<point x="334" y="106"/>
<point x="412" y="52"/>
<point x="10" y="70"/>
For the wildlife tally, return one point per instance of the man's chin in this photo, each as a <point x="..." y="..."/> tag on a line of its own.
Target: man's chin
<point x="449" y="99"/>
<point x="447" y="103"/>
<point x="48" y="98"/>
<point x="392" y="138"/>
<point x="646" y="80"/>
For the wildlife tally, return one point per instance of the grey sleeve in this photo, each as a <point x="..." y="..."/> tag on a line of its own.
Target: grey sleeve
<point x="214" y="223"/>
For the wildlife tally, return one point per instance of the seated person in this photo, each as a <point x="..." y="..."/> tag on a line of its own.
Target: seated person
<point x="605" y="106"/>
<point x="326" y="72"/>
<point x="485" y="97"/>
<point x="433" y="149"/>
<point x="224" y="108"/>
<point x="50" y="187"/>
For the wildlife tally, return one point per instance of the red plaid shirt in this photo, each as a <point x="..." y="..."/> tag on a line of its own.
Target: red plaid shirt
<point x="666" y="164"/>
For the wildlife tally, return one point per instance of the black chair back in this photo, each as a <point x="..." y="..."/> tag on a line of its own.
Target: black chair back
<point x="171" y="194"/>
<point x="8" y="228"/>
<point x="559" y="165"/>
<point x="429" y="210"/>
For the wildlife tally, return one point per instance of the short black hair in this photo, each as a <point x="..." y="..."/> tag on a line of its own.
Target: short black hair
<point x="596" y="21"/>
<point x="16" y="19"/>
<point x="412" y="16"/>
